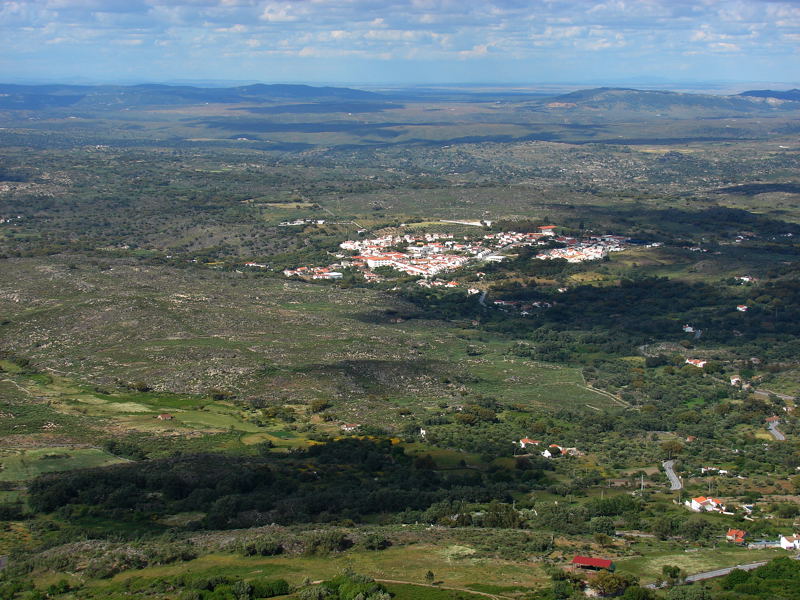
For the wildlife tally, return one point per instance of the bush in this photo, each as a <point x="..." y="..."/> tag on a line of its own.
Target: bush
<point x="267" y="588"/>
<point x="265" y="545"/>
<point x="325" y="542"/>
<point x="375" y="541"/>
<point x="316" y="592"/>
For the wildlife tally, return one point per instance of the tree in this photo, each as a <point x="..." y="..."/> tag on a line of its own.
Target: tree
<point x="319" y="404"/>
<point x="610" y="584"/>
<point x="696" y="527"/>
<point x="672" y="575"/>
<point x="429" y="577"/>
<point x="603" y="539"/>
<point x="638" y="593"/>
<point x="734" y="578"/>
<point x="602" y="525"/>
<point x="671" y="448"/>
<point x="242" y="590"/>
<point x="688" y="592"/>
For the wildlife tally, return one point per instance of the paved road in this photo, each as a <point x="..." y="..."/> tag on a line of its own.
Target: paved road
<point x="766" y="393"/>
<point x="673" y="478"/>
<point x="725" y="571"/>
<point x="720" y="572"/>
<point x="715" y="573"/>
<point x="482" y="299"/>
<point x="773" y="429"/>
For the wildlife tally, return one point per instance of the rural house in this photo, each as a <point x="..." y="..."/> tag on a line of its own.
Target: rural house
<point x="790" y="542"/>
<point x="736" y="536"/>
<point x="703" y="504"/>
<point x="593" y="564"/>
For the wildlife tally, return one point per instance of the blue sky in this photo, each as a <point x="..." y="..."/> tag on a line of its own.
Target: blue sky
<point x="400" y="42"/>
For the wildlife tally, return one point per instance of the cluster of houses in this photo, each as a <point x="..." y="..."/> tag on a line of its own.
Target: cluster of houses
<point x="422" y="255"/>
<point x="524" y="308"/>
<point x="736" y="380"/>
<point x="430" y="254"/>
<point x="593" y="248"/>
<point x="787" y="542"/>
<point x="552" y="451"/>
<point x="441" y="283"/>
<point x="737" y="536"/>
<point x="300" y="222"/>
<point x="10" y="219"/>
<point x="328" y="272"/>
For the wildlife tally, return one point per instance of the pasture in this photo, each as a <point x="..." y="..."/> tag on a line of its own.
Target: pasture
<point x="25" y="464"/>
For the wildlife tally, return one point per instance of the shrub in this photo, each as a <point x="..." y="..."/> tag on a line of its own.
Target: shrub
<point x="375" y="541"/>
<point x="325" y="542"/>
<point x="267" y="588"/>
<point x="265" y="545"/>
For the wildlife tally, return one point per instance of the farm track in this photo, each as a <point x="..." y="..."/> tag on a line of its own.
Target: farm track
<point x="445" y="587"/>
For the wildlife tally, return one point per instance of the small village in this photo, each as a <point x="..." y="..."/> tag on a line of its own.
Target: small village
<point x="431" y="254"/>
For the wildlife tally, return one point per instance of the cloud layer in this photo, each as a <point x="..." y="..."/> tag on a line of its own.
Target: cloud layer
<point x="401" y="41"/>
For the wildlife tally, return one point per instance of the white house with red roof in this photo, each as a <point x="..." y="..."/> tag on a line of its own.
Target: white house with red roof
<point x="525" y="442"/>
<point x="704" y="504"/>
<point x="696" y="362"/>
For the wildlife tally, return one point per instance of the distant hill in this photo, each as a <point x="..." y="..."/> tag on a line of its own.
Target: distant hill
<point x="632" y="100"/>
<point x="38" y="97"/>
<point x="780" y="95"/>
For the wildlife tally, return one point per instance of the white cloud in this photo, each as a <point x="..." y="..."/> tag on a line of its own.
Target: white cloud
<point x="422" y="30"/>
<point x="475" y="51"/>
<point x="276" y="12"/>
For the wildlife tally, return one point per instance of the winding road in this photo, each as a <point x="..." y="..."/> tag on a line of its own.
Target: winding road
<point x="674" y="480"/>
<point x="778" y="435"/>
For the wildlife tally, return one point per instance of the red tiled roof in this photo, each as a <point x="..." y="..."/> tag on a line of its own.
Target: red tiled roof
<point x="588" y="561"/>
<point x="736" y="534"/>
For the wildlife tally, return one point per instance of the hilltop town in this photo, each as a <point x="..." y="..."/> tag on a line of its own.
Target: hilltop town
<point x="431" y="254"/>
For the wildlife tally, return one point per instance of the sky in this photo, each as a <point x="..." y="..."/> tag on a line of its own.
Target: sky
<point x="400" y="42"/>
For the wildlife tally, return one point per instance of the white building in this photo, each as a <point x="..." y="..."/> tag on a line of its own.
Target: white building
<point x="703" y="504"/>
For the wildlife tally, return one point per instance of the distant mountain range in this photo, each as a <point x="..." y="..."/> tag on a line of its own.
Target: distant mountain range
<point x="606" y="101"/>
<point x="632" y="100"/>
<point x="37" y="97"/>
<point x="780" y="95"/>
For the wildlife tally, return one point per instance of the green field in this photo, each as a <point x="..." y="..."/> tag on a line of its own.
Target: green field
<point x="27" y="464"/>
<point x="407" y="564"/>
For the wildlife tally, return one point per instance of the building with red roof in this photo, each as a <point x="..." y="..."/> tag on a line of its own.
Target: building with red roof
<point x="525" y="442"/>
<point x="736" y="536"/>
<point x="588" y="562"/>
